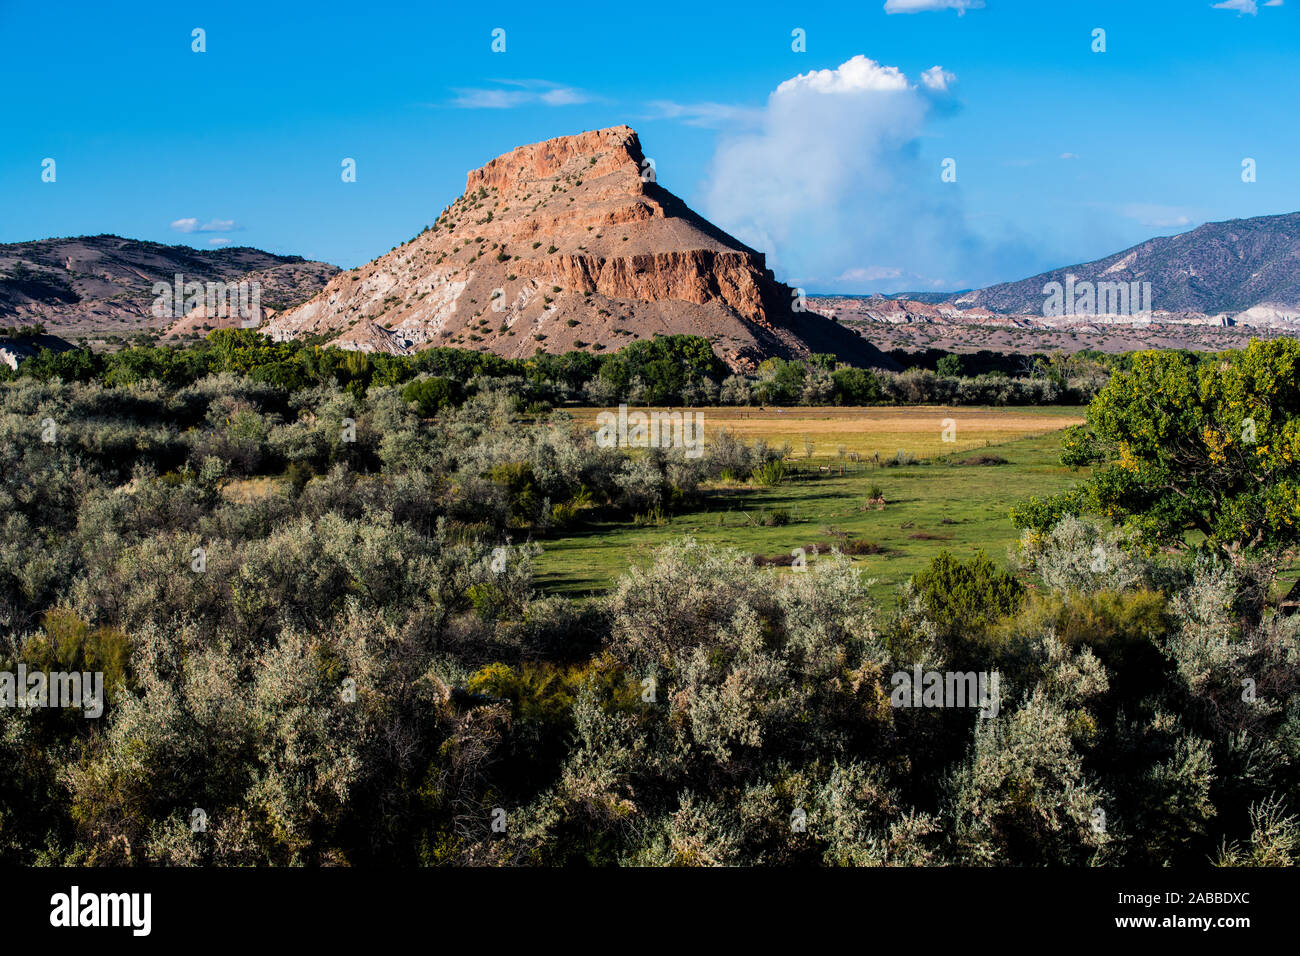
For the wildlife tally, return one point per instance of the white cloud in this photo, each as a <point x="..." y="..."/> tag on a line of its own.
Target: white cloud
<point x="218" y="242"/>
<point x="1273" y="3"/>
<point x="1156" y="216"/>
<point x="1069" y="155"/>
<point x="193" y="225"/>
<point x="832" y="176"/>
<point x="512" y="93"/>
<point x="938" y="79"/>
<point x="1242" y="7"/>
<point x="921" y="6"/>
<point x="710" y="115"/>
<point x="869" y="274"/>
<point x="873" y="279"/>
<point x="563" y="96"/>
<point x="858" y="75"/>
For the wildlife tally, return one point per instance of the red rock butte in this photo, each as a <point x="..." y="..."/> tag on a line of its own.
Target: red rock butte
<point x="569" y="244"/>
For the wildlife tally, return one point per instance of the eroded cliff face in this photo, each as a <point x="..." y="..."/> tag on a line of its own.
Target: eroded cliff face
<point x="569" y="244"/>
<point x="694" y="275"/>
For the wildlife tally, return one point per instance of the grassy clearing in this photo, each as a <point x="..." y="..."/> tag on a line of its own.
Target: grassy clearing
<point x="928" y="507"/>
<point x="245" y="491"/>
<point x="868" y="431"/>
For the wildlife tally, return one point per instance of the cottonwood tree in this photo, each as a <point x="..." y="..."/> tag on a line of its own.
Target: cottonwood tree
<point x="1193" y="451"/>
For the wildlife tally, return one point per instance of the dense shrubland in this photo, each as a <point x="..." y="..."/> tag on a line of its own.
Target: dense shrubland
<point x="317" y="621"/>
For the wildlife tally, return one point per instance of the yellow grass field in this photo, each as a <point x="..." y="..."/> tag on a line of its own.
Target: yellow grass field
<point x="919" y="430"/>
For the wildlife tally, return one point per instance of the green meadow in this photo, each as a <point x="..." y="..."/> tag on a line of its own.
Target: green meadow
<point x="957" y="501"/>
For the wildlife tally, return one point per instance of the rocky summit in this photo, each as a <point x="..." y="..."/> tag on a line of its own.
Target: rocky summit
<point x="570" y="244"/>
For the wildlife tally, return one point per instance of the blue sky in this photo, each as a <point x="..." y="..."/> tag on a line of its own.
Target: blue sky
<point x="1061" y="154"/>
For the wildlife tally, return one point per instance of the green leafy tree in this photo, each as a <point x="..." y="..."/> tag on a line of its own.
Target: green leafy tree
<point x="430" y="395"/>
<point x="855" y="386"/>
<point x="1185" y="448"/>
<point x="965" y="596"/>
<point x="949" y="366"/>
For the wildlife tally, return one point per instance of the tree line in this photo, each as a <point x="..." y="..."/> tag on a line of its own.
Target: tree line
<point x="665" y="370"/>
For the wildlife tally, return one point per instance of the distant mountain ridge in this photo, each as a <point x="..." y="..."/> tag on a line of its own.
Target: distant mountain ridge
<point x="1237" y="266"/>
<point x="107" y="281"/>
